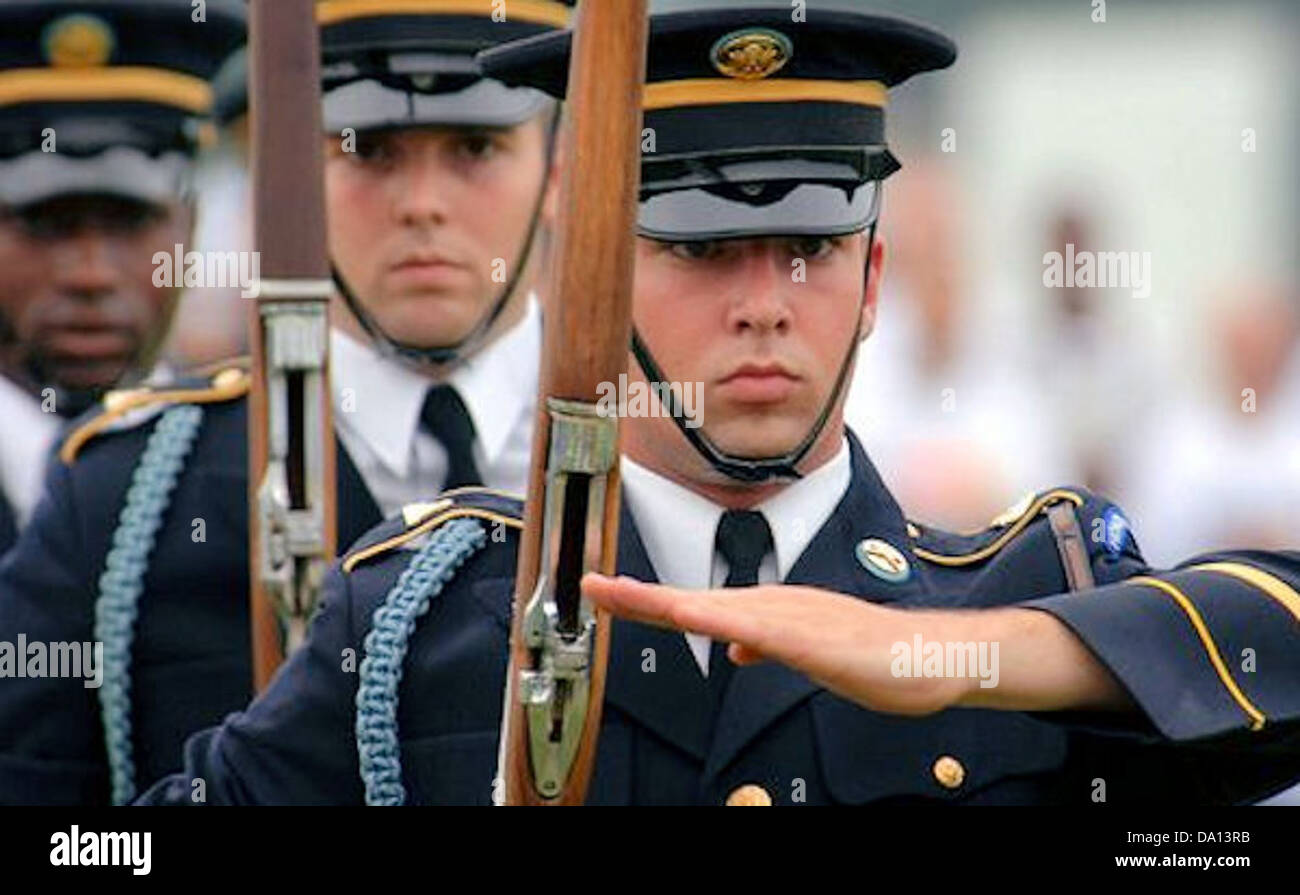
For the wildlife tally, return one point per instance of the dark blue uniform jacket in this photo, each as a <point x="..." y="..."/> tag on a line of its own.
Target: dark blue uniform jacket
<point x="1206" y="730"/>
<point x="190" y="663"/>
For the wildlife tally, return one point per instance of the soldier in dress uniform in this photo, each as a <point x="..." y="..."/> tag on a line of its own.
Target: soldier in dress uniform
<point x="433" y="173"/>
<point x="95" y="177"/>
<point x="770" y="156"/>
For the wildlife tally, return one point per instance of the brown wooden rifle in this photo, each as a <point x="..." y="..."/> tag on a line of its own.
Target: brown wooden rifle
<point x="559" y="643"/>
<point x="290" y="430"/>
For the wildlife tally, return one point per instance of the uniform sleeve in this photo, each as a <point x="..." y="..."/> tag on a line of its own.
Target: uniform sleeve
<point x="296" y="743"/>
<point x="51" y="743"/>
<point x="1208" y="649"/>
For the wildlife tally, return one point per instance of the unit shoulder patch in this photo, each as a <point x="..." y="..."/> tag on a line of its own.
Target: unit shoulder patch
<point x="128" y="408"/>
<point x="407" y="530"/>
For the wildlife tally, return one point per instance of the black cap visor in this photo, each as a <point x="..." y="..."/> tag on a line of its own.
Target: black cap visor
<point x="121" y="171"/>
<point x="777" y="197"/>
<point x="373" y="104"/>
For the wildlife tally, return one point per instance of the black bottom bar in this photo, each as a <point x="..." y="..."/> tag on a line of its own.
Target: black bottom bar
<point x="388" y="848"/>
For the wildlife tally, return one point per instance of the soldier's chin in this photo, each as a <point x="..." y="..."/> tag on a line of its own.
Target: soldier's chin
<point x="757" y="439"/>
<point x="84" y="374"/>
<point x="433" y="321"/>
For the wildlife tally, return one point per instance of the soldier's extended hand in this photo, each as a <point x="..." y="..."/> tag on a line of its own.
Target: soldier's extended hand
<point x="846" y="644"/>
<point x="840" y="642"/>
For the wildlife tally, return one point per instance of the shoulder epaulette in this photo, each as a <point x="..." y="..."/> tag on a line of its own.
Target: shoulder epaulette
<point x="242" y="362"/>
<point x="418" y="519"/>
<point x="128" y="408"/>
<point x="949" y="549"/>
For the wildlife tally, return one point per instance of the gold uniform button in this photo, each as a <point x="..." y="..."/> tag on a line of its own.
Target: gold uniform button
<point x="749" y="795"/>
<point x="949" y="772"/>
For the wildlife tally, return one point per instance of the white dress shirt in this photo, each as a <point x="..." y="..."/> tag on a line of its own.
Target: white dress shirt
<point x="377" y="403"/>
<point x="28" y="435"/>
<point x="678" y="527"/>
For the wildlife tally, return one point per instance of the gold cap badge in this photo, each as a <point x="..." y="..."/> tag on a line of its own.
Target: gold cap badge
<point x="752" y="54"/>
<point x="79" y="41"/>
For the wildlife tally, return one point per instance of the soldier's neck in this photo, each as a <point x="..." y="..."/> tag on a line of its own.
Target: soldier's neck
<point x="342" y="319"/>
<point x="698" y="476"/>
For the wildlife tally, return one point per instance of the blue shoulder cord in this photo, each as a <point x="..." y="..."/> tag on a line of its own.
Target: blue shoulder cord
<point x="122" y="582"/>
<point x="433" y="566"/>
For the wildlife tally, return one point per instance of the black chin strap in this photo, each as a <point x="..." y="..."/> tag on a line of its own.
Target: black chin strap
<point x="442" y="356"/>
<point x="746" y="469"/>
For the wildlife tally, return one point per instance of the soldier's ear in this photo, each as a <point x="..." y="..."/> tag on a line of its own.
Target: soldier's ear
<point x="874" y="271"/>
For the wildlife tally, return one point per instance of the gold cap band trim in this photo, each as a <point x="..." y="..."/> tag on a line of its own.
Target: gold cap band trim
<point x="721" y="91"/>
<point x="121" y="82"/>
<point x="541" y="12"/>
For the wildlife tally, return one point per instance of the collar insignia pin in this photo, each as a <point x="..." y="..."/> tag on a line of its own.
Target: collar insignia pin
<point x="883" y="560"/>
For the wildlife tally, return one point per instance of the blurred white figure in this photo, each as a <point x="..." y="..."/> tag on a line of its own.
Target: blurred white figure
<point x="211" y="323"/>
<point x="1222" y="469"/>
<point x="1099" y="359"/>
<point x="957" y="431"/>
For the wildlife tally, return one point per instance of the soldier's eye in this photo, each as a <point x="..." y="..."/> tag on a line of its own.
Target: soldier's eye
<point x="695" y="251"/>
<point x="62" y="220"/>
<point x="127" y="218"/>
<point x="44" y="226"/>
<point x="814" y="248"/>
<point x="374" y="149"/>
<point x="477" y="146"/>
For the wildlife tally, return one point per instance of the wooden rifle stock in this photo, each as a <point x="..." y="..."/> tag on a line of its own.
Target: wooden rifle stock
<point x="571" y="518"/>
<point x="290" y="430"/>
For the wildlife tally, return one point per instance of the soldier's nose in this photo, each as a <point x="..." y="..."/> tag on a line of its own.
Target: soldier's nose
<point x="762" y="295"/>
<point x="420" y="193"/>
<point x="87" y="268"/>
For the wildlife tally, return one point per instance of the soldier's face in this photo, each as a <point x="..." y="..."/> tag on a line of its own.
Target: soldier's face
<point x="764" y="324"/>
<point x="78" y="308"/>
<point x="426" y="225"/>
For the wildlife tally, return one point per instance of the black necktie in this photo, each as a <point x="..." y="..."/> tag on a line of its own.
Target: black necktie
<point x="445" y="418"/>
<point x="744" y="538"/>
